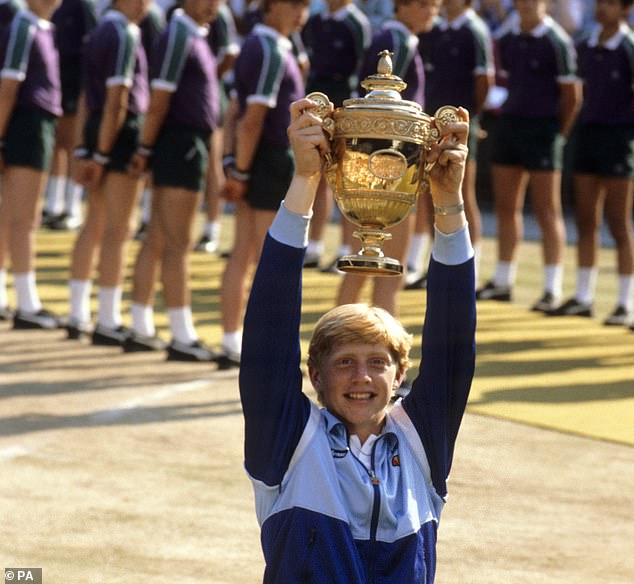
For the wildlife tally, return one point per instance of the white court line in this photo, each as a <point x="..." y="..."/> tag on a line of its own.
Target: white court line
<point x="14" y="451"/>
<point x="168" y="391"/>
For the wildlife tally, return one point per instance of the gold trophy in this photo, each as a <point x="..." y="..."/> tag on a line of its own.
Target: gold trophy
<point x="377" y="166"/>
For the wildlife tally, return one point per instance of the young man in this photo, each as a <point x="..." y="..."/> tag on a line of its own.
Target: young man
<point x="458" y="58"/>
<point x="117" y="97"/>
<point x="267" y="79"/>
<point x="73" y="20"/>
<point x="336" y="40"/>
<point x="604" y="158"/>
<point x="176" y="136"/>
<point x="411" y="17"/>
<point x="353" y="491"/>
<point x="537" y="61"/>
<point x="30" y="104"/>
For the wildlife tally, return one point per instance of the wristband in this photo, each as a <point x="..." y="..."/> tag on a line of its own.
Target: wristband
<point x="145" y="151"/>
<point x="81" y="152"/>
<point x="100" y="158"/>
<point x="228" y="160"/>
<point x="449" y="210"/>
<point x="240" y="175"/>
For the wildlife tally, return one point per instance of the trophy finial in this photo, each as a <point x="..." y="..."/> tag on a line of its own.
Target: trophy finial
<point x="385" y="63"/>
<point x="384" y="84"/>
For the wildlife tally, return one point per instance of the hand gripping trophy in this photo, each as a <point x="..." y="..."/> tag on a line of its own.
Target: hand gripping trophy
<point x="378" y="163"/>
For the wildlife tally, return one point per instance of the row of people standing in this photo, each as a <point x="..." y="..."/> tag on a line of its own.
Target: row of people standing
<point x="256" y="131"/>
<point x="557" y="92"/>
<point x="552" y="88"/>
<point x="127" y="121"/>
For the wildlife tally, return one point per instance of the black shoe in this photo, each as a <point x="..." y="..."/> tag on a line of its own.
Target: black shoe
<point x="572" y="307"/>
<point x="546" y="304"/>
<point x="47" y="218"/>
<point x="418" y="284"/>
<point x="140" y="232"/>
<point x="64" y="222"/>
<point x="6" y="313"/>
<point x="620" y="317"/>
<point x="228" y="360"/>
<point x="207" y="245"/>
<point x="491" y="291"/>
<point x="42" y="319"/>
<point x="196" y="351"/>
<point x="108" y="337"/>
<point x="136" y="343"/>
<point x="76" y="329"/>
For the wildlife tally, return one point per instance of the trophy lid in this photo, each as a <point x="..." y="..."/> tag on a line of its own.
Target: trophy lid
<point x="384" y="90"/>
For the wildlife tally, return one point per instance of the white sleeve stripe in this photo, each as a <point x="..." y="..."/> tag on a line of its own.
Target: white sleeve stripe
<point x="23" y="61"/>
<point x="175" y="56"/>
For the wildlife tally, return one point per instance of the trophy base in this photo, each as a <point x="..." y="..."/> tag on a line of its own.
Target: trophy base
<point x="370" y="266"/>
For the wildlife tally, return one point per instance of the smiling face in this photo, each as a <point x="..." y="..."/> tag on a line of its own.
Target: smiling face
<point x="355" y="382"/>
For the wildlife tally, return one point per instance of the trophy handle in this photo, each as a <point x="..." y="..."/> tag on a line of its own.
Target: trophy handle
<point x="322" y="111"/>
<point x="447" y="114"/>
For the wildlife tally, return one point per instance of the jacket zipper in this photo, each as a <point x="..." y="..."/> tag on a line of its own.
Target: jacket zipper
<point x="376" y="504"/>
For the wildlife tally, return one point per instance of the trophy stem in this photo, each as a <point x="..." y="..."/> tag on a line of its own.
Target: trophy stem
<point x="372" y="242"/>
<point x="371" y="260"/>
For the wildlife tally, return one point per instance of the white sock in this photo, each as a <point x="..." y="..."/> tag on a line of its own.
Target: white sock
<point x="55" y="194"/>
<point x="143" y="319"/>
<point x="182" y="325"/>
<point x="26" y="292"/>
<point x="74" y="196"/>
<point x="109" y="312"/>
<point x="80" y="300"/>
<point x="146" y="206"/>
<point x="344" y="250"/>
<point x="315" y="247"/>
<point x="553" y="279"/>
<point x="4" y="300"/>
<point x="626" y="283"/>
<point x="212" y="230"/>
<point x="418" y="250"/>
<point x="232" y="341"/>
<point x="586" y="284"/>
<point x="505" y="273"/>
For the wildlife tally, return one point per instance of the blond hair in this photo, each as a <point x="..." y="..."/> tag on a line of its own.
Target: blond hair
<point x="359" y="323"/>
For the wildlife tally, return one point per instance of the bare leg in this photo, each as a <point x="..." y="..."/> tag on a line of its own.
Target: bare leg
<point x="122" y="195"/>
<point x="509" y="186"/>
<point x="176" y="212"/>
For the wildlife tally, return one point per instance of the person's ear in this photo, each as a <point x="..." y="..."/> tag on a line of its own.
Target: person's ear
<point x="315" y="377"/>
<point x="398" y="380"/>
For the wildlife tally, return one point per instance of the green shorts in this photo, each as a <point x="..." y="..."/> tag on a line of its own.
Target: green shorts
<point x="30" y="139"/>
<point x="604" y="150"/>
<point x="532" y="143"/>
<point x="473" y="139"/>
<point x="125" y="145"/>
<point x="181" y="157"/>
<point x="271" y="174"/>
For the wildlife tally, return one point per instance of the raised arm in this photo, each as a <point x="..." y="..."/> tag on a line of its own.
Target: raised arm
<point x="439" y="394"/>
<point x="275" y="409"/>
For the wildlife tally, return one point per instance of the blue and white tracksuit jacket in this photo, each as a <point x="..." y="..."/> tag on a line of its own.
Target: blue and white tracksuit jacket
<point x="325" y="517"/>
